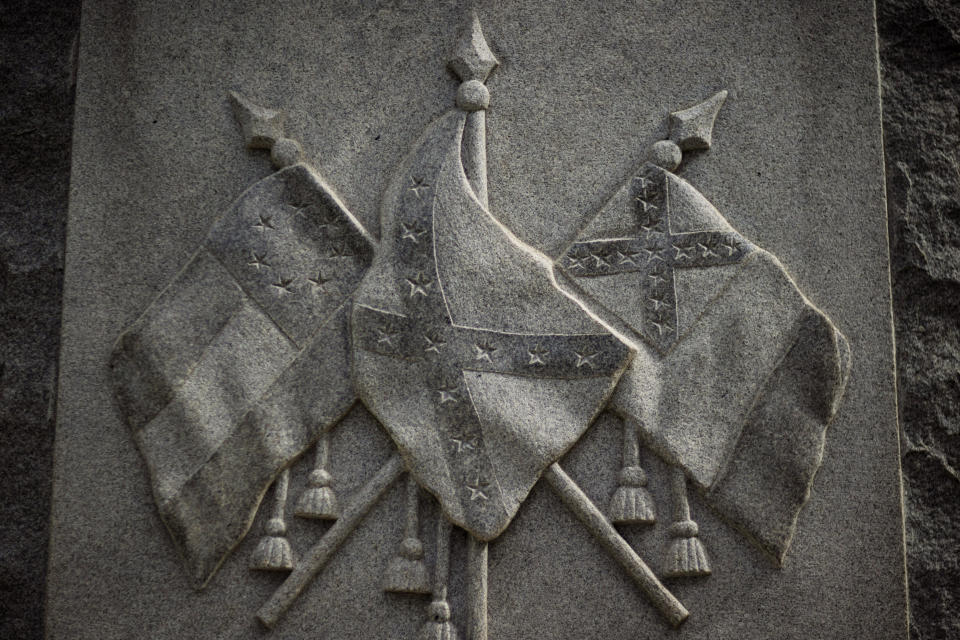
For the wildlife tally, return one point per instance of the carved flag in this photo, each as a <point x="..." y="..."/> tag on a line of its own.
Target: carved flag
<point x="739" y="374"/>
<point x="242" y="361"/>
<point x="481" y="370"/>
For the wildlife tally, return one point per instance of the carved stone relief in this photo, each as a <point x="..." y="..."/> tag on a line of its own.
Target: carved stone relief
<point x="483" y="359"/>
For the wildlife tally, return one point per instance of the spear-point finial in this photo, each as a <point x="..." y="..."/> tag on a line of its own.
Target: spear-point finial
<point x="261" y="126"/>
<point x="472" y="59"/>
<point x="693" y="128"/>
<point x="263" y="129"/>
<point x="690" y="130"/>
<point x="472" y="62"/>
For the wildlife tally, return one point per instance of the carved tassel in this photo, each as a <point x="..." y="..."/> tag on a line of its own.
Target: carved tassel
<point x="685" y="555"/>
<point x="406" y="571"/>
<point x="273" y="553"/>
<point x="631" y="502"/>
<point x="438" y="625"/>
<point x="318" y="501"/>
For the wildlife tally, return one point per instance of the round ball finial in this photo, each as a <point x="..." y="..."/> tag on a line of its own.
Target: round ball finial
<point x="439" y="611"/>
<point x="285" y="152"/>
<point x="665" y="154"/>
<point x="473" y="95"/>
<point x="411" y="548"/>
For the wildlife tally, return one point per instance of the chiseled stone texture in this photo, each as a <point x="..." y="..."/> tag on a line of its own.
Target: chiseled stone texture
<point x="578" y="100"/>
<point x="36" y="105"/>
<point x="920" y="55"/>
<point x="911" y="31"/>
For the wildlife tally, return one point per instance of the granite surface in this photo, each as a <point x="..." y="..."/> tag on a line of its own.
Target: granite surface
<point x="575" y="103"/>
<point x="918" y="51"/>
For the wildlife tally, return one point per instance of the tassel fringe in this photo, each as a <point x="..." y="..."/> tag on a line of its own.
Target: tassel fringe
<point x="318" y="502"/>
<point x="631" y="502"/>
<point x="273" y="552"/>
<point x="685" y="555"/>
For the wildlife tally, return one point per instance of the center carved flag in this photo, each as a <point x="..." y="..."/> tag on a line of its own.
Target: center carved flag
<point x="479" y="368"/>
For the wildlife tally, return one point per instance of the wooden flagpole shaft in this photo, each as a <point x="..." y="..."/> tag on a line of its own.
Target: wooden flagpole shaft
<point x="588" y="513"/>
<point x="317" y="557"/>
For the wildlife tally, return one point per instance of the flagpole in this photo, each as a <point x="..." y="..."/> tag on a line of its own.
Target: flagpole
<point x="621" y="551"/>
<point x="315" y="559"/>
<point x="472" y="63"/>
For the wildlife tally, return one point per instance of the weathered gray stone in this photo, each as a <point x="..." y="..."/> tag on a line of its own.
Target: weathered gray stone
<point x="458" y="323"/>
<point x="37" y="41"/>
<point x="920" y="54"/>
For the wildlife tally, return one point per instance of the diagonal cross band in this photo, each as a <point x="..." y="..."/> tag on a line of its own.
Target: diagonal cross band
<point x="654" y="254"/>
<point x="466" y="349"/>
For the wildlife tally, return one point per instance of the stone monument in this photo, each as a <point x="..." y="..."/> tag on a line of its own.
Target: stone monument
<point x="548" y="322"/>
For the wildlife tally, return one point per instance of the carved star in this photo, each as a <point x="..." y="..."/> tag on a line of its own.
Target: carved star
<point x="586" y="359"/>
<point x="483" y="351"/>
<point x="657" y="278"/>
<point x="319" y="283"/>
<point x="417" y="185"/>
<point x="600" y="259"/>
<point x="386" y="334"/>
<point x="411" y="232"/>
<point x="462" y="442"/>
<point x="341" y="249"/>
<point x="419" y="285"/>
<point x="298" y="207"/>
<point x="682" y="252"/>
<point x="476" y="489"/>
<point x="433" y="344"/>
<point x="537" y="355"/>
<point x="650" y="227"/>
<point x="662" y="327"/>
<point x="576" y="262"/>
<point x="731" y="249"/>
<point x="329" y="219"/>
<point x="264" y="222"/>
<point x="707" y="251"/>
<point x="647" y="207"/>
<point x="259" y="261"/>
<point x="654" y="254"/>
<point x="657" y="302"/>
<point x="447" y="394"/>
<point x="644" y="183"/>
<point x="628" y="258"/>
<point x="283" y="286"/>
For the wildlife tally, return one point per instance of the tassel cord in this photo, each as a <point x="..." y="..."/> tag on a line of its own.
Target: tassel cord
<point x="631" y="446"/>
<point x="678" y="486"/>
<point x="412" y="526"/>
<point x="280" y="494"/>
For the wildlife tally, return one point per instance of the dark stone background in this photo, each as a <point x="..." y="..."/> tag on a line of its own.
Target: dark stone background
<point x="37" y="41"/>
<point x="920" y="58"/>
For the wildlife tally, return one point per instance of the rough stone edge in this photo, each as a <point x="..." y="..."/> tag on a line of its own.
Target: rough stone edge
<point x="38" y="48"/>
